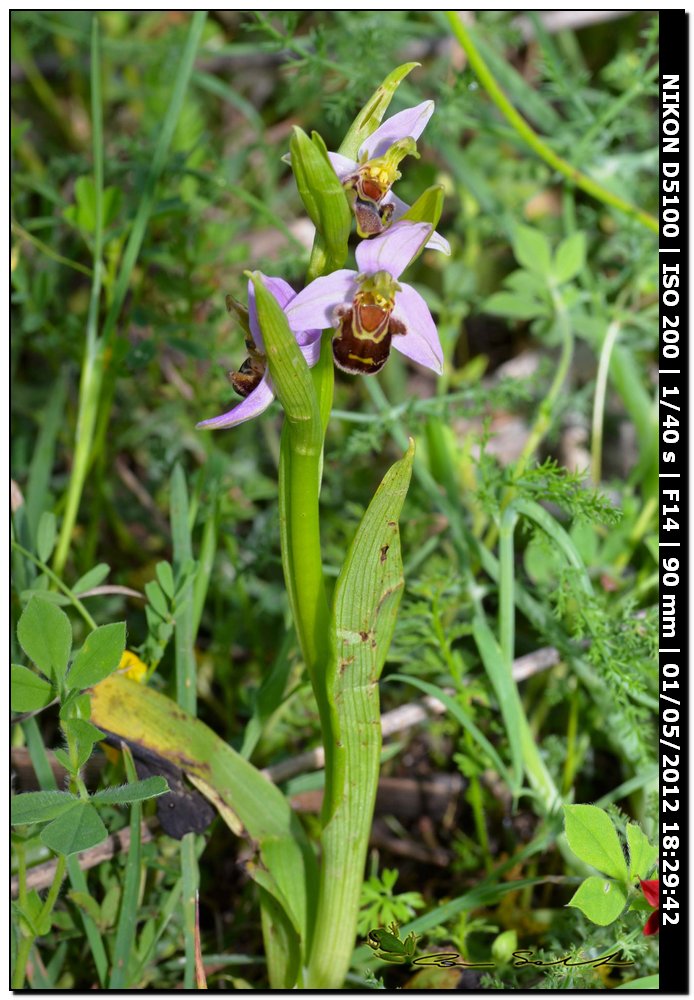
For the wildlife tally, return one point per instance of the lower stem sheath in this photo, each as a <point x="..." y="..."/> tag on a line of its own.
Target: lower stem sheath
<point x="344" y="844"/>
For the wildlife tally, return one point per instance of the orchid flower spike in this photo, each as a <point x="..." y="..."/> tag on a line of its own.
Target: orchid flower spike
<point x="370" y="308"/>
<point x="252" y="380"/>
<point x="368" y="181"/>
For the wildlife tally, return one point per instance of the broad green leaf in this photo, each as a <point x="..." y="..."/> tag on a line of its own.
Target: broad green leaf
<point x="146" y="718"/>
<point x="645" y="983"/>
<point x="532" y="250"/>
<point x="76" y="830"/>
<point x="63" y="758"/>
<point x="155" y="596"/>
<point x="166" y="578"/>
<point x="322" y="193"/>
<point x="45" y="535"/>
<point x="371" y="115"/>
<point x="600" y="899"/>
<point x="365" y="604"/>
<point x="282" y="943"/>
<point x="570" y="257"/>
<point x="642" y="854"/>
<point x="45" y="635"/>
<point x="39" y="807"/>
<point x="99" y="656"/>
<point x="28" y="691"/>
<point x="134" y="791"/>
<point x="514" y="305"/>
<point x="94" y="578"/>
<point x="593" y="838"/>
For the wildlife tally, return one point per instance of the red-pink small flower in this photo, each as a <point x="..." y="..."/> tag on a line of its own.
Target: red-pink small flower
<point x="651" y="890"/>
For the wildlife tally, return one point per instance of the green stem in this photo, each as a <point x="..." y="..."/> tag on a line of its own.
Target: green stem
<point x="58" y="582"/>
<point x="21" y="961"/>
<point x="599" y="401"/>
<point x="545" y="413"/>
<point x="28" y="237"/>
<point x="533" y="140"/>
<point x="507" y="606"/>
<point x="27" y="941"/>
<point x="543" y="420"/>
<point x="97" y="349"/>
<point x="92" y="368"/>
<point x="533" y="765"/>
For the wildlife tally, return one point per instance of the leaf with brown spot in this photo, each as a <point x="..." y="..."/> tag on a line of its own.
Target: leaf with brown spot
<point x="144" y="717"/>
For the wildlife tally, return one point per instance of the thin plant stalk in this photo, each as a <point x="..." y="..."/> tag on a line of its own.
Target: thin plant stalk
<point x="537" y="144"/>
<point x="75" y="601"/>
<point x="78" y="879"/>
<point x="533" y="765"/>
<point x="97" y="350"/>
<point x="599" y="400"/>
<point x="507" y="607"/>
<point x="91" y="375"/>
<point x="545" y="413"/>
<point x="127" y="917"/>
<point x="27" y="941"/>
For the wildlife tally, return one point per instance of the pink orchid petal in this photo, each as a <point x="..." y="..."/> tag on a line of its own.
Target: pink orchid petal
<point x="282" y="291"/>
<point x="252" y="406"/>
<point x="421" y="342"/>
<point x="342" y="165"/>
<point x="394" y="250"/>
<point x="436" y="242"/>
<point x="309" y="342"/>
<point x="314" y="307"/>
<point x="410" y="122"/>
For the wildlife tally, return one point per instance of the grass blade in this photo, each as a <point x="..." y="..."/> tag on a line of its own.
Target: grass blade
<point x="186" y="679"/>
<point x="127" y="918"/>
<point x="191" y="879"/>
<point x="93" y="368"/>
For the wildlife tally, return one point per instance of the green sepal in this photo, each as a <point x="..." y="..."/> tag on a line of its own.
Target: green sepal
<point x="30" y="913"/>
<point x="371" y="115"/>
<point x="240" y="311"/>
<point x="28" y="691"/>
<point x="428" y="207"/>
<point x="82" y="736"/>
<point x="322" y="193"/>
<point x="291" y="376"/>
